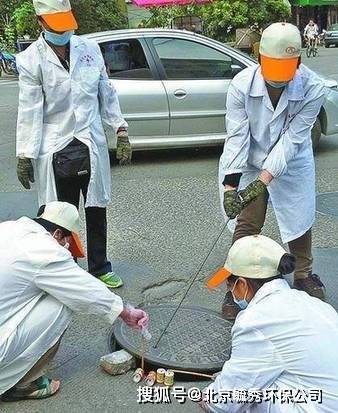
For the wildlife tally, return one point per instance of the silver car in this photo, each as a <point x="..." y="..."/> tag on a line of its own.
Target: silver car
<point x="172" y="86"/>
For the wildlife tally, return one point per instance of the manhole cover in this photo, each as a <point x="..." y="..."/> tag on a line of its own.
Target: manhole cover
<point x="328" y="203"/>
<point x="196" y="340"/>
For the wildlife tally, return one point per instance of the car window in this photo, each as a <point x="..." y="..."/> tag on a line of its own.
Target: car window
<point x="185" y="59"/>
<point x="125" y="59"/>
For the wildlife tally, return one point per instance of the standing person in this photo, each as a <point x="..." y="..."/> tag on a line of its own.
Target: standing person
<point x="40" y="287"/>
<point x="268" y="154"/>
<point x="64" y="95"/>
<point x="283" y="342"/>
<point x="311" y="32"/>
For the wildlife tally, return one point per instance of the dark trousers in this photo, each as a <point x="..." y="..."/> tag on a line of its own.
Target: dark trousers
<point x="68" y="190"/>
<point x="250" y="222"/>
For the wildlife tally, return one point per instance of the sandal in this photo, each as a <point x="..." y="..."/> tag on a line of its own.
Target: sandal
<point x="41" y="388"/>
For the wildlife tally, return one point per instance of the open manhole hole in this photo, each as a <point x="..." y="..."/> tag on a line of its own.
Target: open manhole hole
<point x="197" y="339"/>
<point x="327" y="203"/>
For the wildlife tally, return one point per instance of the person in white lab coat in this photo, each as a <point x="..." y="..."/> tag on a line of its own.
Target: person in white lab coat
<point x="65" y="94"/>
<point x="40" y="287"/>
<point x="284" y="342"/>
<point x="271" y="108"/>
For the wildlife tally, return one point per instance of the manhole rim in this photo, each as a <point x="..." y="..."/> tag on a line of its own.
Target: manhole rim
<point x="120" y="341"/>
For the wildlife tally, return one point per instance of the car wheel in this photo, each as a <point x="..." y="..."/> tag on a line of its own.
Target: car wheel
<point x="327" y="45"/>
<point x="316" y="134"/>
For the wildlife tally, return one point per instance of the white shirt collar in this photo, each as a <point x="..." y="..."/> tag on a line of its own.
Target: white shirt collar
<point x="295" y="88"/>
<point x="268" y="289"/>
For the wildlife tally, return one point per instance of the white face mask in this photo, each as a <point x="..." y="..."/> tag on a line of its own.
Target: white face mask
<point x="277" y="85"/>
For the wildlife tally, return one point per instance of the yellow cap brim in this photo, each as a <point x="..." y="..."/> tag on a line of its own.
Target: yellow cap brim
<point x="76" y="248"/>
<point x="278" y="70"/>
<point x="218" y="278"/>
<point x="61" y="22"/>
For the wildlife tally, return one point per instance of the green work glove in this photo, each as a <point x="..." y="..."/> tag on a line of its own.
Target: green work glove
<point x="232" y="203"/>
<point x="123" y="148"/>
<point x="251" y="192"/>
<point x="25" y="172"/>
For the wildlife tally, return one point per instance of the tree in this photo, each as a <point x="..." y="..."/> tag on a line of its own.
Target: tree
<point x="7" y="27"/>
<point x="17" y="18"/>
<point x="6" y="11"/>
<point x="25" y="20"/>
<point x="94" y="16"/>
<point x="223" y="16"/>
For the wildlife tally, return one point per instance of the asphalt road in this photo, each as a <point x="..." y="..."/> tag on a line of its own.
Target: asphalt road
<point x="163" y="221"/>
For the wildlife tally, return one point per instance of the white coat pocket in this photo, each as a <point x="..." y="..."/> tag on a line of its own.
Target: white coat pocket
<point x="90" y="78"/>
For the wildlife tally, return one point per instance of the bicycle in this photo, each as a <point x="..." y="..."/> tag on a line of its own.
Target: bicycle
<point x="8" y="63"/>
<point x="311" y="47"/>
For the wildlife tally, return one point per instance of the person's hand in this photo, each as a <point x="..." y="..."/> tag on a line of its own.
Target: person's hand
<point x="135" y="318"/>
<point x="123" y="148"/>
<point x="202" y="403"/>
<point x="25" y="172"/>
<point x="232" y="204"/>
<point x="251" y="192"/>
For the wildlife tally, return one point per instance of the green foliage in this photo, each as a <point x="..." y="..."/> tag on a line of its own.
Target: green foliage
<point x="17" y="18"/>
<point x="7" y="39"/>
<point x="25" y="20"/>
<point x="7" y="8"/>
<point x="221" y="17"/>
<point x="7" y="27"/>
<point x="94" y="16"/>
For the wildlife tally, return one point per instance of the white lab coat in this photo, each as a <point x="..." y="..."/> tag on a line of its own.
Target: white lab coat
<point x="56" y="105"/>
<point x="284" y="340"/>
<point x="259" y="137"/>
<point x="40" y="287"/>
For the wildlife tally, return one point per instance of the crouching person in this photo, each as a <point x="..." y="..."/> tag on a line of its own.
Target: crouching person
<point x="283" y="340"/>
<point x="40" y="287"/>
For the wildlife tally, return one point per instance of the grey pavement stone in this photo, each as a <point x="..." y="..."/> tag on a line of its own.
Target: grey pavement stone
<point x="26" y="203"/>
<point x="162" y="222"/>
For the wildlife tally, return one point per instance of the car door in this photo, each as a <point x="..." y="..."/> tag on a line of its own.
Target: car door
<point x="197" y="77"/>
<point x="142" y="96"/>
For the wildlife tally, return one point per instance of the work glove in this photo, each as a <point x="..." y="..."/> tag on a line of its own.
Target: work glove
<point x="123" y="148"/>
<point x="232" y="203"/>
<point x="251" y="192"/>
<point x="135" y="318"/>
<point x="25" y="172"/>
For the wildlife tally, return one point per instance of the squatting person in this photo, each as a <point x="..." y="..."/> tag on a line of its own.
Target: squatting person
<point x="40" y="287"/>
<point x="283" y="341"/>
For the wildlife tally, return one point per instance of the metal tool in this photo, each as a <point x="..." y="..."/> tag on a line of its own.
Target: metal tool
<point x="191" y="283"/>
<point x="192" y="373"/>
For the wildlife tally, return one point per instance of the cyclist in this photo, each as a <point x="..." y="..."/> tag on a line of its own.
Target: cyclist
<point x="311" y="33"/>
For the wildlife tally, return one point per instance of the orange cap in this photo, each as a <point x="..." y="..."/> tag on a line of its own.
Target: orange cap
<point x="61" y="22"/>
<point x="218" y="278"/>
<point x="278" y="70"/>
<point x="56" y="13"/>
<point x="279" y="49"/>
<point x="76" y="248"/>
